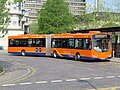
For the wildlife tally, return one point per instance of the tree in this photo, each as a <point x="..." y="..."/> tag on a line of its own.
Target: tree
<point x="55" y="17"/>
<point x="4" y="13"/>
<point x="34" y="28"/>
<point x="4" y="17"/>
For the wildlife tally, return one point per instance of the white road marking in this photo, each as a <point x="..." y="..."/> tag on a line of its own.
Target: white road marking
<point x="69" y="80"/>
<point x="5" y="85"/>
<point x="56" y="81"/>
<point x="42" y="82"/>
<point x="119" y="76"/>
<point x="110" y="77"/>
<point x="85" y="78"/>
<point x="98" y="77"/>
<point x="27" y="83"/>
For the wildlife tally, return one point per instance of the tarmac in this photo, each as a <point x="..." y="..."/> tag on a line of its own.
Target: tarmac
<point x="116" y="59"/>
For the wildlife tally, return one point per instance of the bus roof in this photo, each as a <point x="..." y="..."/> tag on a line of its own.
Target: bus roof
<point x="75" y="35"/>
<point x="63" y="35"/>
<point x="23" y="36"/>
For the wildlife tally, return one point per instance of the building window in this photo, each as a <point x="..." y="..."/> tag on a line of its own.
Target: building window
<point x="14" y="7"/>
<point x="14" y="22"/>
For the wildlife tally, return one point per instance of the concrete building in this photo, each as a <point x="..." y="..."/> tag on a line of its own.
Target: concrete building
<point x="18" y="22"/>
<point x="75" y="7"/>
<point x="33" y="6"/>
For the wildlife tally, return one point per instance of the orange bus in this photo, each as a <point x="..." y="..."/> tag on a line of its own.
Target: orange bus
<point x="90" y="46"/>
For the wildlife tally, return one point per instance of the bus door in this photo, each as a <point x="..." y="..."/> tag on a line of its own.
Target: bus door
<point x="67" y="47"/>
<point x="83" y="46"/>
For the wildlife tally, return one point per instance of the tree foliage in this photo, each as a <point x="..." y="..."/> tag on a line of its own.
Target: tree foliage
<point x="4" y="13"/>
<point x="34" y="28"/>
<point x="55" y="17"/>
<point x="4" y="18"/>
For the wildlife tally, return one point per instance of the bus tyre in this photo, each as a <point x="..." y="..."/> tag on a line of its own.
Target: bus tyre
<point x="54" y="54"/>
<point x="77" y="57"/>
<point x="23" y="52"/>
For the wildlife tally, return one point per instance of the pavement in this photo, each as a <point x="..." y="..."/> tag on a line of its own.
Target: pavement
<point x="3" y="51"/>
<point x="115" y="59"/>
<point x="13" y="71"/>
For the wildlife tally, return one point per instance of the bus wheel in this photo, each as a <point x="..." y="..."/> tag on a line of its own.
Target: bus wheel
<point x="54" y="54"/>
<point x="77" y="57"/>
<point x="23" y="52"/>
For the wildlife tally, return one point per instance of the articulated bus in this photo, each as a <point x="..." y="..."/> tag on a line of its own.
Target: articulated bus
<point x="90" y="46"/>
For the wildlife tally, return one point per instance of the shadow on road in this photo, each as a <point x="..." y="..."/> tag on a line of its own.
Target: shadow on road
<point x="89" y="61"/>
<point x="6" y="64"/>
<point x="85" y="81"/>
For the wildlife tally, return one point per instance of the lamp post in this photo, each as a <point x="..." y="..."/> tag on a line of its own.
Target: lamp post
<point x="97" y="5"/>
<point x="96" y="12"/>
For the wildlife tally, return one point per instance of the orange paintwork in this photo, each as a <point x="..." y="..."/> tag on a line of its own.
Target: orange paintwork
<point x="27" y="49"/>
<point x="22" y="36"/>
<point x="72" y="52"/>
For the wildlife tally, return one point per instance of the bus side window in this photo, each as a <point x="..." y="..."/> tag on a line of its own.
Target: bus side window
<point x="17" y="43"/>
<point x="11" y="42"/>
<point x="29" y="42"/>
<point x="37" y="42"/>
<point x="86" y="44"/>
<point x="64" y="43"/>
<point x="42" y="42"/>
<point x="90" y="44"/>
<point x="23" y="42"/>
<point x="71" y="43"/>
<point x="53" y="43"/>
<point x="78" y="43"/>
<point x="33" y="42"/>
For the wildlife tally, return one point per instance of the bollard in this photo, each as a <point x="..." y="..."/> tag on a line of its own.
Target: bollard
<point x="1" y="47"/>
<point x="113" y="53"/>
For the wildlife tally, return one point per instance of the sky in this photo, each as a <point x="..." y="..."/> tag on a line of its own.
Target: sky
<point x="107" y="3"/>
<point x="93" y="1"/>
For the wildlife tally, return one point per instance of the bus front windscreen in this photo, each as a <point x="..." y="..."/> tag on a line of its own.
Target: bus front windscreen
<point x="101" y="43"/>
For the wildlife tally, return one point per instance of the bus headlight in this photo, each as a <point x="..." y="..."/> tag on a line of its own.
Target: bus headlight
<point x="102" y="58"/>
<point x="109" y="56"/>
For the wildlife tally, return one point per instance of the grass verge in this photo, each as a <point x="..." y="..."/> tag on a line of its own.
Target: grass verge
<point x="1" y="69"/>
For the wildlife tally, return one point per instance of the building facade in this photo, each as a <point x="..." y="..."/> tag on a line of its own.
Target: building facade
<point x="15" y="15"/>
<point x="18" y="23"/>
<point x="75" y="7"/>
<point x="33" y="6"/>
